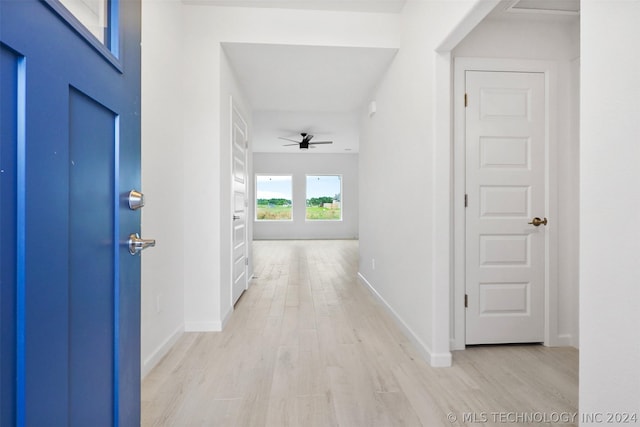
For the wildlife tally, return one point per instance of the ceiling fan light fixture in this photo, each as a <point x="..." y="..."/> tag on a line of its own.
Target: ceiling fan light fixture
<point x="305" y="144"/>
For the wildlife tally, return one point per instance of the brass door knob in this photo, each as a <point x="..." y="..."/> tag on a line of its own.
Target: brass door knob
<point x="537" y="221"/>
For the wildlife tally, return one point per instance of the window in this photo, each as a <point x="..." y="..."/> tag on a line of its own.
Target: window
<point x="324" y="198"/>
<point x="96" y="21"/>
<point x="273" y="198"/>
<point x="93" y="14"/>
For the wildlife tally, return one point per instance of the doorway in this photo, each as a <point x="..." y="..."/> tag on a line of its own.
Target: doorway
<point x="502" y="40"/>
<point x="505" y="250"/>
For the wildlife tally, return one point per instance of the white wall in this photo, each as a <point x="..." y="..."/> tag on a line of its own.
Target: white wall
<point x="202" y="190"/>
<point x="523" y="36"/>
<point x="609" y="206"/>
<point x="552" y="38"/>
<point x="396" y="162"/>
<point x="299" y="165"/>
<point x="162" y="311"/>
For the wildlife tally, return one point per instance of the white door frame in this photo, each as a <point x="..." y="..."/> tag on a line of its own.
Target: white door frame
<point x="549" y="69"/>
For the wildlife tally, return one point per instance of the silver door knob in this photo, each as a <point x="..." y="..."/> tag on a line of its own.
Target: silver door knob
<point x="537" y="222"/>
<point x="137" y="245"/>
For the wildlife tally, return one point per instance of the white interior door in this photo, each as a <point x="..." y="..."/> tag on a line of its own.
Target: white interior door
<point x="239" y="142"/>
<point x="505" y="186"/>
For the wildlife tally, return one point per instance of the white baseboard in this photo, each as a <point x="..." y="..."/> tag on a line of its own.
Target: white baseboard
<point x="226" y="317"/>
<point x="150" y="362"/>
<point x="203" y="326"/>
<point x="215" y="326"/>
<point x="436" y="360"/>
<point x="564" y="340"/>
<point x="441" y="360"/>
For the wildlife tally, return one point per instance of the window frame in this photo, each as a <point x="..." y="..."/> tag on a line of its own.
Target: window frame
<point x="306" y="189"/>
<point x="255" y="198"/>
<point x="109" y="49"/>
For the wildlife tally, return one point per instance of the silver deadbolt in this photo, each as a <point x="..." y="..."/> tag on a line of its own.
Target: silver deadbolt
<point x="137" y="245"/>
<point x="136" y="200"/>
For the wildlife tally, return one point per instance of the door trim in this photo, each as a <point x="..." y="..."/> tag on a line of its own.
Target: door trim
<point x="549" y="69"/>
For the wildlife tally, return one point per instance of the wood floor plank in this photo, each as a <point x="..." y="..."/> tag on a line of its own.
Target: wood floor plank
<point x="316" y="411"/>
<point x="308" y="345"/>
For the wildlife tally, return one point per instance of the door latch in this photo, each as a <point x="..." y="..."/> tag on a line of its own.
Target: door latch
<point x="537" y="222"/>
<point x="137" y="245"/>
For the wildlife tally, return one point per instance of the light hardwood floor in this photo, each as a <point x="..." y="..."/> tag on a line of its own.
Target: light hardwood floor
<point x="309" y="346"/>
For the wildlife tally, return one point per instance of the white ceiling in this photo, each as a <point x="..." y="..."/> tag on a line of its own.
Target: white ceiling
<point x="313" y="89"/>
<point x="382" y="6"/>
<point x="307" y="78"/>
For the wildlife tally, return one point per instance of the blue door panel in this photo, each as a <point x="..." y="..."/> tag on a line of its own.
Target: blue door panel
<point x="8" y="144"/>
<point x="91" y="276"/>
<point x="46" y="294"/>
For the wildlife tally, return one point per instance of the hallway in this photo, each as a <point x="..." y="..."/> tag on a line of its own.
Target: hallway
<point x="309" y="346"/>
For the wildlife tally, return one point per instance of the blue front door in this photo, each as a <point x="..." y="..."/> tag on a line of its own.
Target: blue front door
<point x="69" y="155"/>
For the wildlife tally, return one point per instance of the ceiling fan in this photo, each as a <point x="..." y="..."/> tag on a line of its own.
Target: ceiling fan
<point x="305" y="143"/>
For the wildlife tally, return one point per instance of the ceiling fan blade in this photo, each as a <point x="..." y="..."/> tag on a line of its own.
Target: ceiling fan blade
<point x="322" y="142"/>
<point x="287" y="145"/>
<point x="289" y="139"/>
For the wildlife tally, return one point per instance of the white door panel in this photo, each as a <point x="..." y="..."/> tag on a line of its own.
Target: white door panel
<point x="504" y="200"/>
<point x="239" y="206"/>
<point x="505" y="185"/>
<point x="504" y="152"/>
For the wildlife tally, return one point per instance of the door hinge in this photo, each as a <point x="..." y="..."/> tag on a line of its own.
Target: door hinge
<point x="466" y="200"/>
<point x="466" y="100"/>
<point x="466" y="301"/>
<point x="246" y="261"/>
